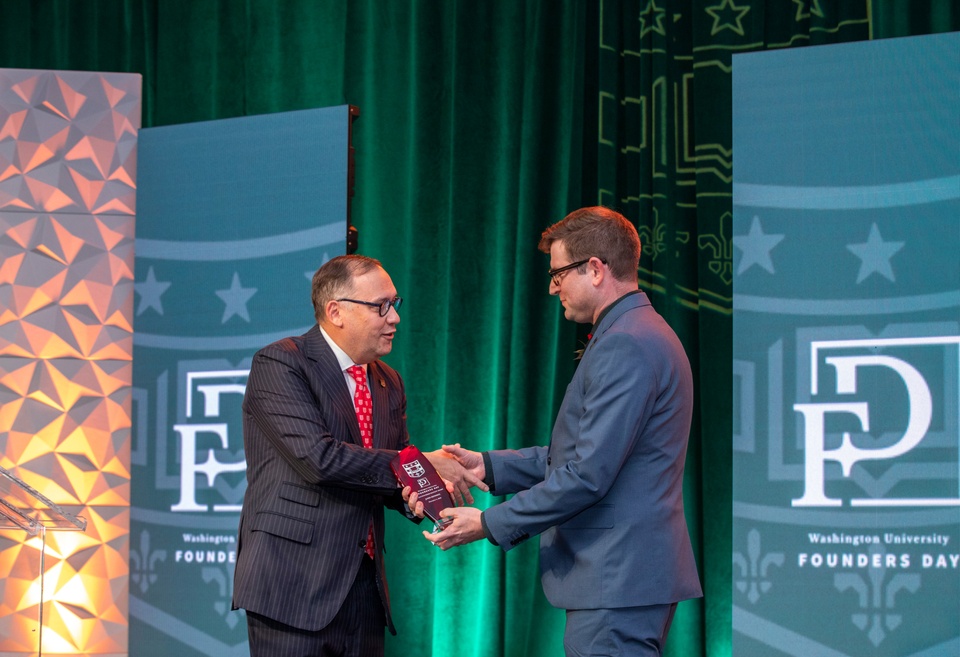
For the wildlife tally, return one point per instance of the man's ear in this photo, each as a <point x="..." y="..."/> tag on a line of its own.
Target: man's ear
<point x="596" y="271"/>
<point x="333" y="313"/>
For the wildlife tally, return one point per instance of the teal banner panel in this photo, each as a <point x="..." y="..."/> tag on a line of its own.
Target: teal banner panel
<point x="846" y="481"/>
<point x="234" y="217"/>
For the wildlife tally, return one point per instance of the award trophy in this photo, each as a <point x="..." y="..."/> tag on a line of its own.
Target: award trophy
<point x="414" y="470"/>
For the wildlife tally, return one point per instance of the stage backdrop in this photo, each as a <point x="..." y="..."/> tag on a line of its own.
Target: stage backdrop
<point x="68" y="152"/>
<point x="846" y="200"/>
<point x="234" y="218"/>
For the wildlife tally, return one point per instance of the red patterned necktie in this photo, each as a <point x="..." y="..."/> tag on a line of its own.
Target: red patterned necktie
<point x="363" y="402"/>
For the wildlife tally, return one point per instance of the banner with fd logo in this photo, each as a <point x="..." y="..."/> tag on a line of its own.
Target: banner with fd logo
<point x="846" y="233"/>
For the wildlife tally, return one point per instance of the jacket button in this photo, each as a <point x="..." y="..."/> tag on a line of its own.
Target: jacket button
<point x="549" y="460"/>
<point x="362" y="543"/>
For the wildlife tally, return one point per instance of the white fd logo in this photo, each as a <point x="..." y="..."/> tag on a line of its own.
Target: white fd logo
<point x="816" y="453"/>
<point x="414" y="469"/>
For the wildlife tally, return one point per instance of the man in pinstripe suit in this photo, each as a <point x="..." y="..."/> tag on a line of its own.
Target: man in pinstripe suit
<point x="314" y="492"/>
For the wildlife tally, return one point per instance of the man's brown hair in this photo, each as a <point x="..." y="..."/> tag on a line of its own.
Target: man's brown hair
<point x="335" y="277"/>
<point x="601" y="232"/>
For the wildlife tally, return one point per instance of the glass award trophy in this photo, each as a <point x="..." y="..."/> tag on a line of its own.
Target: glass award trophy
<point x="414" y="470"/>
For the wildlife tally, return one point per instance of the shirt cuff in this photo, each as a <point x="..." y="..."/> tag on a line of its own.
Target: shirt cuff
<point x="488" y="471"/>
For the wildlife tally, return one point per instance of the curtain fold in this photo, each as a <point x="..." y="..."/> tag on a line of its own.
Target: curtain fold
<point x="478" y="115"/>
<point x="481" y="123"/>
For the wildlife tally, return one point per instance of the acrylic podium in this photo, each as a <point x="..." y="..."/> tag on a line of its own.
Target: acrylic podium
<point x="24" y="508"/>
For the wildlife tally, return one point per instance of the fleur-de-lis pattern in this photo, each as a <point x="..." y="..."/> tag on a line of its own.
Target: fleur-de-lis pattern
<point x="143" y="563"/>
<point x="753" y="569"/>
<point x="876" y="597"/>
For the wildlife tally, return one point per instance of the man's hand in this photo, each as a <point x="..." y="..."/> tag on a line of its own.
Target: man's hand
<point x="465" y="528"/>
<point x="472" y="461"/>
<point x="410" y="498"/>
<point x="453" y="470"/>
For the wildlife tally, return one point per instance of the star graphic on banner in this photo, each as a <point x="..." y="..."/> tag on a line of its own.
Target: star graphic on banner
<point x="814" y="8"/>
<point x="731" y="21"/>
<point x="756" y="247"/>
<point x="235" y="299"/>
<point x="654" y="13"/>
<point x="150" y="292"/>
<point x="323" y="260"/>
<point x="875" y="255"/>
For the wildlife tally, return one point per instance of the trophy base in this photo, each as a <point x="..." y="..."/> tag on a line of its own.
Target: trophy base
<point x="440" y="525"/>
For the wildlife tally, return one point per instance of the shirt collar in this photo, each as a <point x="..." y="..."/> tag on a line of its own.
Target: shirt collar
<point x="342" y="358"/>
<point x="603" y="313"/>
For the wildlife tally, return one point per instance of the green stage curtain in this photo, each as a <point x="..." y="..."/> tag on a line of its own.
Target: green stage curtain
<point x="482" y="122"/>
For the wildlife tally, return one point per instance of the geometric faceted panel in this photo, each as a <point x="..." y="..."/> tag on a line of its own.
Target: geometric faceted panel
<point x="65" y="427"/>
<point x="68" y="141"/>
<point x="86" y="570"/>
<point x="68" y="152"/>
<point x="66" y="286"/>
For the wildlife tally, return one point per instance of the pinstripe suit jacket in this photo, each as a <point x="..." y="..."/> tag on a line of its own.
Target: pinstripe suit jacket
<point x="312" y="488"/>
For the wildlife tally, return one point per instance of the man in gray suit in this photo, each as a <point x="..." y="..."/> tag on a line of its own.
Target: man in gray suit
<point x="309" y="569"/>
<point x="606" y="496"/>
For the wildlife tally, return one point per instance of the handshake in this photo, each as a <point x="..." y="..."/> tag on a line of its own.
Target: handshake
<point x="461" y="469"/>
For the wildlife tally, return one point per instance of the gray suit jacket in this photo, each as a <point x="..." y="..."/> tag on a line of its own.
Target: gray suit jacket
<point x="607" y="494"/>
<point x="312" y="488"/>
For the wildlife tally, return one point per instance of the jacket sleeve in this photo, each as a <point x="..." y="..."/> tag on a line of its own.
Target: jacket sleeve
<point x="516" y="469"/>
<point x="300" y="419"/>
<point x="597" y="430"/>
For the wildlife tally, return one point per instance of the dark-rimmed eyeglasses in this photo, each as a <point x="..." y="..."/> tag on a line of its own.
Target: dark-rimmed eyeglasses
<point x="383" y="307"/>
<point x="555" y="276"/>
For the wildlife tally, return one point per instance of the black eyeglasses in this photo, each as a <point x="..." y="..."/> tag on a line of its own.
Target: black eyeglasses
<point x="383" y="307"/>
<point x="555" y="276"/>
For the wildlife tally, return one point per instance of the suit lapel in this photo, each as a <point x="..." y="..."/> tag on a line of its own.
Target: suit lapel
<point x="381" y="403"/>
<point x="332" y="380"/>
